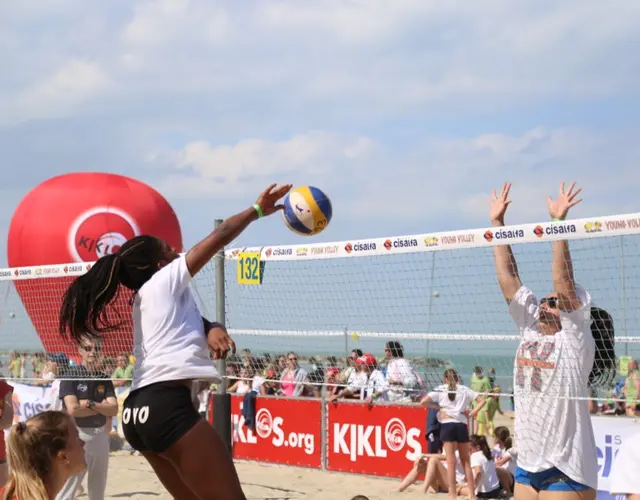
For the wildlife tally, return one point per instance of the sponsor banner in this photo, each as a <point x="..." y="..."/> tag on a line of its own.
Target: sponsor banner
<point x="29" y="400"/>
<point x="37" y="272"/>
<point x="377" y="441"/>
<point x="610" y="433"/>
<point x="288" y="431"/>
<point x="526" y="233"/>
<point x="452" y="240"/>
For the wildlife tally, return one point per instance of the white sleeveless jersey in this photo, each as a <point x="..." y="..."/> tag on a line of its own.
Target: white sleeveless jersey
<point x="169" y="338"/>
<point x="553" y="429"/>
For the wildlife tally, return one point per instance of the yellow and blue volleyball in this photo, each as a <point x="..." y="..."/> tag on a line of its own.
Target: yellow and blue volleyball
<point x="307" y="210"/>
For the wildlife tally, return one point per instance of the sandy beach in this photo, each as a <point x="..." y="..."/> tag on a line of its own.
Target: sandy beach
<point x="131" y="477"/>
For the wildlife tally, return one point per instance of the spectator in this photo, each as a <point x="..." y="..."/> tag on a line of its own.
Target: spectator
<point x="6" y="419"/>
<point x="270" y="386"/>
<point x="506" y="457"/>
<point x="242" y="385"/>
<point x="316" y="377"/>
<point x="632" y="389"/>
<point x="37" y="364"/>
<point x="350" y="369"/>
<point x="294" y="380"/>
<point x="16" y="365"/>
<point x="123" y="374"/>
<point x="282" y="363"/>
<point x="480" y="385"/>
<point x="43" y="452"/>
<point x="90" y="400"/>
<point x="401" y="377"/>
<point x="488" y="412"/>
<point x="492" y="377"/>
<point x="485" y="477"/>
<point x="203" y="391"/>
<point x="479" y="382"/>
<point x="331" y="380"/>
<point x="49" y="373"/>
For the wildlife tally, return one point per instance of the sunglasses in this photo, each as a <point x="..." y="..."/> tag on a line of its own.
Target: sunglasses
<point x="293" y="359"/>
<point x="552" y="302"/>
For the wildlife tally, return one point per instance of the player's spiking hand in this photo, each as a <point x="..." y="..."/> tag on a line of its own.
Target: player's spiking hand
<point x="559" y="207"/>
<point x="270" y="196"/>
<point x="498" y="204"/>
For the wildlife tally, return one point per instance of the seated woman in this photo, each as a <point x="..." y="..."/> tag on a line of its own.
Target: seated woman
<point x="243" y="383"/>
<point x="485" y="476"/>
<point x="434" y="468"/>
<point x="43" y="452"/>
<point x="506" y="458"/>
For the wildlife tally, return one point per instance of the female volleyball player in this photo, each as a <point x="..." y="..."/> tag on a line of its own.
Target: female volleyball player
<point x="43" y="452"/>
<point x="171" y="339"/>
<point x="555" y="360"/>
<point x="453" y="401"/>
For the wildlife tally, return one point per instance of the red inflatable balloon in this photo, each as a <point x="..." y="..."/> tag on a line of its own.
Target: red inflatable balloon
<point x="80" y="218"/>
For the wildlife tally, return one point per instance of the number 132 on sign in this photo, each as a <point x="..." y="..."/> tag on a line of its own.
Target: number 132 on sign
<point x="249" y="268"/>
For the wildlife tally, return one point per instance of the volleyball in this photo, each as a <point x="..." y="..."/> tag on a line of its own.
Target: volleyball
<point x="307" y="210"/>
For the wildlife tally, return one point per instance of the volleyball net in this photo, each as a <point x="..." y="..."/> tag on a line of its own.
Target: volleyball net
<point x="435" y="293"/>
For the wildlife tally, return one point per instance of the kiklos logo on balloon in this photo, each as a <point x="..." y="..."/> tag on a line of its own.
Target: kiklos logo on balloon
<point x="100" y="231"/>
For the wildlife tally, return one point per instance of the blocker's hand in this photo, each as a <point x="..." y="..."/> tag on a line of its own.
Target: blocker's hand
<point x="498" y="203"/>
<point x="559" y="207"/>
<point x="220" y="343"/>
<point x="270" y="196"/>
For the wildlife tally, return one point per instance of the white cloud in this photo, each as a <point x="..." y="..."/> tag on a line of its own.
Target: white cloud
<point x="404" y="110"/>
<point x="60" y="93"/>
<point x="230" y="170"/>
<point x="367" y="58"/>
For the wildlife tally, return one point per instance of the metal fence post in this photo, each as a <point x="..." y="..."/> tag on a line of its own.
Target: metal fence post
<point x="324" y="442"/>
<point x="222" y="400"/>
<point x="221" y="310"/>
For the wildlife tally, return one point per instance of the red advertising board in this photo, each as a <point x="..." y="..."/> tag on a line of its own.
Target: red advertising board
<point x="288" y="431"/>
<point x="377" y="440"/>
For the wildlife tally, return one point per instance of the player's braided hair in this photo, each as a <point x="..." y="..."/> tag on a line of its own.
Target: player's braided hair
<point x="84" y="312"/>
<point x="604" y="366"/>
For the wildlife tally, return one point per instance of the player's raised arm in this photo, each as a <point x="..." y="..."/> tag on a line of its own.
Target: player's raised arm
<point x="506" y="266"/>
<point x="231" y="228"/>
<point x="562" y="267"/>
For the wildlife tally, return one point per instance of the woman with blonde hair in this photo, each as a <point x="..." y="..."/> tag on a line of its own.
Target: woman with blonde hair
<point x="43" y="453"/>
<point x="6" y="419"/>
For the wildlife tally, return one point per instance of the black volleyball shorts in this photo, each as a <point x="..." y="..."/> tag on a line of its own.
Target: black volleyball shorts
<point x="158" y="415"/>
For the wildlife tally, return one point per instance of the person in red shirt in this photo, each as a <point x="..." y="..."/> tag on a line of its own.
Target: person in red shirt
<point x="43" y="453"/>
<point x="6" y="419"/>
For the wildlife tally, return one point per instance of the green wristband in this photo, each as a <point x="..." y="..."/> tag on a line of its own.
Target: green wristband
<point x="259" y="210"/>
<point x="555" y="219"/>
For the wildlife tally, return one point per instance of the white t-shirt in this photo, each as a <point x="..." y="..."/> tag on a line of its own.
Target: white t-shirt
<point x="460" y="475"/>
<point x="168" y="332"/>
<point x="401" y="379"/>
<point x="357" y="383"/>
<point x="203" y="400"/>
<point x="512" y="453"/>
<point x="376" y="383"/>
<point x="257" y="382"/>
<point x="243" y="387"/>
<point x="453" y="411"/>
<point x="551" y="430"/>
<point x="366" y="384"/>
<point x="625" y="477"/>
<point x="489" y="480"/>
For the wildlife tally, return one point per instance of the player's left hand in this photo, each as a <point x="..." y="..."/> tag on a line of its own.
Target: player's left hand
<point x="559" y="207"/>
<point x="220" y="342"/>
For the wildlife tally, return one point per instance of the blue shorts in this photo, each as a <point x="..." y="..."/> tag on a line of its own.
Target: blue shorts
<point x="548" y="480"/>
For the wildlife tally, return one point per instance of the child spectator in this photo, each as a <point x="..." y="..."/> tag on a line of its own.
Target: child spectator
<point x="485" y="477"/>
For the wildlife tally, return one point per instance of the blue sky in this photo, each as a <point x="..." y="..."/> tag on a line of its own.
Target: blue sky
<point x="406" y="112"/>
